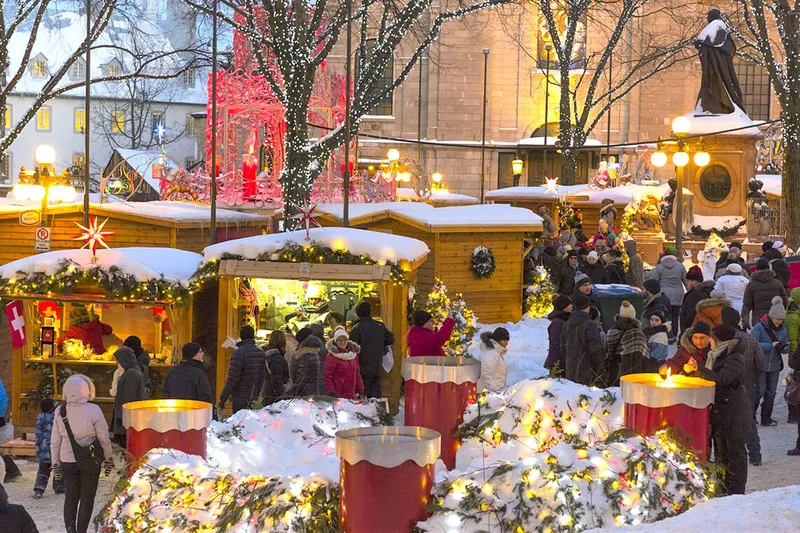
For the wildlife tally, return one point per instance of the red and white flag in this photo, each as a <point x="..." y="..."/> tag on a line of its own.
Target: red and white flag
<point x="16" y="321"/>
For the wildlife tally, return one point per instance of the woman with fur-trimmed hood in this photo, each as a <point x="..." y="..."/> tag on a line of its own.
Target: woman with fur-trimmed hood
<point x="341" y="371"/>
<point x="710" y="309"/>
<point x="494" y="369"/>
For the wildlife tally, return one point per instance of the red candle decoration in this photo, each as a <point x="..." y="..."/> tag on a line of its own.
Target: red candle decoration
<point x="177" y="424"/>
<point x="250" y="167"/>
<point x="438" y="390"/>
<point x="386" y="476"/>
<point x="653" y="403"/>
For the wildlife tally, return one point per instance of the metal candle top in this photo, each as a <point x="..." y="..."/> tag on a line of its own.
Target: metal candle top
<point x="389" y="446"/>
<point x="651" y="390"/>
<point x="166" y="415"/>
<point x="441" y="369"/>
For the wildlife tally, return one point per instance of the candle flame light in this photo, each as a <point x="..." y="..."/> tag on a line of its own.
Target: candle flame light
<point x="668" y="382"/>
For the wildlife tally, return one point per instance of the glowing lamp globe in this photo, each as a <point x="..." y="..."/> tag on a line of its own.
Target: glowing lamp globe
<point x="516" y="166"/>
<point x="393" y="154"/>
<point x="406" y="177"/>
<point x="680" y="159"/>
<point x="658" y="159"/>
<point x="436" y="177"/>
<point x="680" y="126"/>
<point x="62" y="193"/>
<point x="45" y="155"/>
<point x="701" y="159"/>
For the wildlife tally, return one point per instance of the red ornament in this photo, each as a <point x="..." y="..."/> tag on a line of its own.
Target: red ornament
<point x="93" y="235"/>
<point x="306" y="215"/>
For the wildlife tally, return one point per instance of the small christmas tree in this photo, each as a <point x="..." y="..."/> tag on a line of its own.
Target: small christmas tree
<point x="540" y="294"/>
<point x="465" y="321"/>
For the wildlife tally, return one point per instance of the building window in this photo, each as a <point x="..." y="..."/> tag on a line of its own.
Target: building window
<point x="190" y="125"/>
<point x="155" y="119"/>
<point x="114" y="69"/>
<point x="8" y="116"/>
<point x="190" y="163"/>
<point x="384" y="105"/>
<point x="77" y="71"/>
<point x="754" y="82"/>
<point x="5" y="168"/>
<point x="79" y="120"/>
<point x="188" y="77"/>
<point x="39" y="68"/>
<point x="43" y="119"/>
<point x="117" y="122"/>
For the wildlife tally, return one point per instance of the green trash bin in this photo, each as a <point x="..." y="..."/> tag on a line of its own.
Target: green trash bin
<point x="610" y="298"/>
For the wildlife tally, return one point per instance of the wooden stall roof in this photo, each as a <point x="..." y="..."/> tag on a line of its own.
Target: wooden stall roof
<point x="438" y="198"/>
<point x="458" y="219"/>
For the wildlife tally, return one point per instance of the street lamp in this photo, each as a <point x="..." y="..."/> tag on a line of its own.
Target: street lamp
<point x="393" y="155"/>
<point x="44" y="184"/>
<point x="680" y="158"/>
<point x="516" y="169"/>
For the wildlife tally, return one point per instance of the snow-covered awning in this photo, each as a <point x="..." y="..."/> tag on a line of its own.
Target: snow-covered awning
<point x="622" y="195"/>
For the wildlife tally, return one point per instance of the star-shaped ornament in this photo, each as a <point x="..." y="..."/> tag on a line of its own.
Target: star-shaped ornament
<point x="551" y="185"/>
<point x="307" y="216"/>
<point x="93" y="236"/>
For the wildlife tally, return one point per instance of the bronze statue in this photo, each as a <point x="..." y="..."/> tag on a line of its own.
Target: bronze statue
<point x="719" y="87"/>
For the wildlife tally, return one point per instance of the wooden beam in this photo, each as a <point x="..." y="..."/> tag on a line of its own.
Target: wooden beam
<point x="303" y="271"/>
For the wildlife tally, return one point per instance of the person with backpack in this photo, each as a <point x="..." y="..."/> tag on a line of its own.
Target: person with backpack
<point x="759" y="294"/>
<point x="130" y="388"/>
<point x="246" y="372"/>
<point x="79" y="447"/>
<point x="277" y="368"/>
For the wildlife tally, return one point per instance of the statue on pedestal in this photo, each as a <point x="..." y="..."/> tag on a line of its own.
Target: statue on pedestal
<point x="719" y="87"/>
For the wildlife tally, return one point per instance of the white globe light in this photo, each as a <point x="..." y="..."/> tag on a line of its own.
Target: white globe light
<point x="393" y="154"/>
<point x="701" y="159"/>
<point x="406" y="177"/>
<point x="45" y="154"/>
<point x="21" y="191"/>
<point x="680" y="159"/>
<point x="658" y="159"/>
<point x="681" y="125"/>
<point x="36" y="193"/>
<point x="436" y="177"/>
<point x="62" y="194"/>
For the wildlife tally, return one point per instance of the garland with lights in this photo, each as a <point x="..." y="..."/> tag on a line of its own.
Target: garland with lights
<point x="466" y="324"/>
<point x="113" y="280"/>
<point x="728" y="231"/>
<point x="539" y="294"/>
<point x="482" y="264"/>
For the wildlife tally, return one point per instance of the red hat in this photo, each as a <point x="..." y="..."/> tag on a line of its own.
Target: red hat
<point x="695" y="273"/>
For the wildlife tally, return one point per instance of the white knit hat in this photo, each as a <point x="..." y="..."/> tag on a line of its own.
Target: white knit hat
<point x="626" y="310"/>
<point x="593" y="254"/>
<point x="778" y="245"/>
<point x="777" y="311"/>
<point x="734" y="268"/>
<point x="340" y="332"/>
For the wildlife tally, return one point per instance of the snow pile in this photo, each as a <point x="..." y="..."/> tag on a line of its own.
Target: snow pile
<point x="532" y="417"/>
<point x="772" y="510"/>
<point x="290" y="437"/>
<point x="527" y="350"/>
<point x="377" y="246"/>
<point x="181" y="493"/>
<point x="572" y="487"/>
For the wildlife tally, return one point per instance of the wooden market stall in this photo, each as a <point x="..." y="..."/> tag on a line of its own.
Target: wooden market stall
<point x="283" y="281"/>
<point x="452" y="234"/>
<point x="62" y="294"/>
<point x="179" y="225"/>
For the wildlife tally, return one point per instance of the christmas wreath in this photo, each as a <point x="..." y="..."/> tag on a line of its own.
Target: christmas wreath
<point x="483" y="264"/>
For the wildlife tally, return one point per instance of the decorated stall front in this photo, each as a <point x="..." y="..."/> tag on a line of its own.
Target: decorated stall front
<point x="180" y="225"/>
<point x="289" y="280"/>
<point x="69" y="311"/>
<point x="477" y="251"/>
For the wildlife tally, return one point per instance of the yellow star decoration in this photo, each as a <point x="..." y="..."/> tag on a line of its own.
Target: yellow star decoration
<point x="93" y="235"/>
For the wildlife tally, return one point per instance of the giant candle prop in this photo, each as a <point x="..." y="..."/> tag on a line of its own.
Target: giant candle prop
<point x="653" y="403"/>
<point x="438" y="390"/>
<point x="385" y="477"/>
<point x="177" y="424"/>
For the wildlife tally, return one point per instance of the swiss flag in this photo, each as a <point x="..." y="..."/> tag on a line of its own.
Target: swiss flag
<point x="16" y="321"/>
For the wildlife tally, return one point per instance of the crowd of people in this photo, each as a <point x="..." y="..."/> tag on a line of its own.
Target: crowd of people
<point x="734" y="330"/>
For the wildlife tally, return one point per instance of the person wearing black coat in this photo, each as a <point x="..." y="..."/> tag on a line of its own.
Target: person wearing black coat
<point x="562" y="308"/>
<point x="794" y="364"/>
<point x="246" y="372"/>
<point x="305" y="368"/>
<point x="14" y="518"/>
<point x="374" y="338"/>
<point x="566" y="276"/>
<point x="550" y="263"/>
<point x="582" y="346"/>
<point x="188" y="380"/>
<point x="595" y="269"/>
<point x="130" y="388"/>
<point x="698" y="290"/>
<point x="654" y="300"/>
<point x="277" y="368"/>
<point x="615" y="269"/>
<point x="758" y="295"/>
<point x="142" y="357"/>
<point x="730" y="414"/>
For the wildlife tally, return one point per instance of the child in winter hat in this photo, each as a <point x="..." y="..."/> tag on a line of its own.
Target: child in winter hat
<point x="341" y="371"/>
<point x="626" y="310"/>
<point x="656" y="333"/>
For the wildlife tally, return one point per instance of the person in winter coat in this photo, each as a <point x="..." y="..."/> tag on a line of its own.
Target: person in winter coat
<point x="11" y="470"/>
<point x="777" y="264"/>
<point x="730" y="422"/>
<point x="305" y="368"/>
<point x="494" y="370"/>
<point x="277" y="368"/>
<point x="710" y="309"/>
<point x="792" y="324"/>
<point x="694" y="344"/>
<point x="582" y="346"/>
<point x="671" y="274"/>
<point x="626" y="347"/>
<point x="423" y="339"/>
<point x="734" y="284"/>
<point x="130" y="388"/>
<point x="634" y="276"/>
<point x="654" y="300"/>
<point x="562" y="308"/>
<point x="566" y="277"/>
<point x="87" y="423"/>
<point x="753" y="367"/>
<point x="732" y="256"/>
<point x="188" y="380"/>
<point x="614" y="267"/>
<point x="44" y="431"/>
<point x="771" y="334"/>
<point x="550" y="263"/>
<point x="583" y="285"/>
<point x="142" y="357"/>
<point x="342" y="375"/>
<point x="697" y="290"/>
<point x="13" y="517"/>
<point x="595" y="269"/>
<point x="317" y="331"/>
<point x="656" y="333"/>
<point x="246" y="372"/>
<point x="794" y="364"/>
<point x="86" y="328"/>
<point x="374" y="338"/>
<point x="760" y="292"/>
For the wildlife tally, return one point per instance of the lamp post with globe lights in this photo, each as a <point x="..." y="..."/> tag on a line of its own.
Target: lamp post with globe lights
<point x="680" y="158"/>
<point x="44" y="184"/>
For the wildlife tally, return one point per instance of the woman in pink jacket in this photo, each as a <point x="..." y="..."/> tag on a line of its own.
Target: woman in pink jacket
<point x="341" y="371"/>
<point x="423" y="339"/>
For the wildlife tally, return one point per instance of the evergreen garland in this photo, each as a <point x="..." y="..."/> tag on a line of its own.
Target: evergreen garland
<point x="483" y="263"/>
<point x="729" y="231"/>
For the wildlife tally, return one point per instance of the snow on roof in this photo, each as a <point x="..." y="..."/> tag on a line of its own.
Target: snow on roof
<point x="772" y="183"/>
<point x="536" y="192"/>
<point x="482" y="217"/>
<point x="179" y="211"/>
<point x="551" y="141"/>
<point x="701" y="123"/>
<point x="378" y="246"/>
<point x="142" y="263"/>
<point x="623" y="194"/>
<point x="438" y="196"/>
<point x="142" y="161"/>
<point x="365" y="209"/>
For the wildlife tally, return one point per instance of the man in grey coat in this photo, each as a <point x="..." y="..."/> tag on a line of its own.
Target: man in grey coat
<point x="672" y="275"/>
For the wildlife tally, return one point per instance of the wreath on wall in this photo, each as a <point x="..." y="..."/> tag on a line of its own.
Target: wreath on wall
<point x="483" y="264"/>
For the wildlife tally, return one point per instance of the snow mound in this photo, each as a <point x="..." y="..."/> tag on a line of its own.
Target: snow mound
<point x="571" y="487"/>
<point x="532" y="417"/>
<point x="771" y="510"/>
<point x="527" y="350"/>
<point x="378" y="246"/>
<point x="290" y="437"/>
